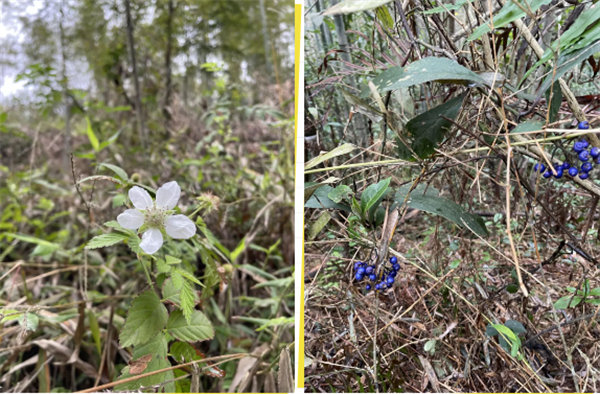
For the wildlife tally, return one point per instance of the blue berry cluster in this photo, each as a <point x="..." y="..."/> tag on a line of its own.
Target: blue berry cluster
<point x="386" y="276"/>
<point x="585" y="154"/>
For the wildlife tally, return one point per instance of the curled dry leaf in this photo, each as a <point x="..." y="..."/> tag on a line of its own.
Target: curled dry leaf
<point x="138" y="366"/>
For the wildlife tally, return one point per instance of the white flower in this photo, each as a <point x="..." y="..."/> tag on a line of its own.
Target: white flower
<point x="156" y="216"/>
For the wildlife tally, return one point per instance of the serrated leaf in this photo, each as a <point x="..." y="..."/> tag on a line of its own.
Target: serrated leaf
<point x="116" y="169"/>
<point x="188" y="276"/>
<point x="104" y="240"/>
<point x="172" y="260"/>
<point x="199" y="329"/>
<point x="91" y="136"/>
<point x="339" y="192"/>
<point x="162" y="267"/>
<point x="349" y="6"/>
<point x="146" y="317"/>
<point x="429" y="128"/>
<point x="425" y="70"/>
<point x="173" y="294"/>
<point x="157" y="346"/>
<point x="319" y="225"/>
<point x="340" y="150"/>
<point x="187" y="300"/>
<point x="155" y="364"/>
<point x="320" y="200"/>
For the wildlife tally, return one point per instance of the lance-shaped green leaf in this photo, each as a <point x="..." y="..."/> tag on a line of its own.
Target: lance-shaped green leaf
<point x="443" y="207"/>
<point x="349" y="6"/>
<point x="429" y="128"/>
<point x="425" y="70"/>
<point x="340" y="150"/>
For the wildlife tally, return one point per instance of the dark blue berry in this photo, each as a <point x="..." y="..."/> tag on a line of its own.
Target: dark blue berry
<point x="559" y="173"/>
<point x="378" y="286"/>
<point x="357" y="264"/>
<point x="358" y="276"/>
<point x="547" y="174"/>
<point x="369" y="269"/>
<point x="565" y="166"/>
<point x="578" y="146"/>
<point x="584" y="155"/>
<point x="393" y="259"/>
<point x="372" y="277"/>
<point x="583" y="125"/>
<point x="368" y="287"/>
<point x="397" y="267"/>
<point x="595" y="152"/>
<point x="390" y="280"/>
<point x="393" y="273"/>
<point x="361" y="270"/>
<point x="584" y="143"/>
<point x="539" y="167"/>
<point x="584" y="175"/>
<point x="573" y="171"/>
<point x="587" y="167"/>
<point x="389" y="286"/>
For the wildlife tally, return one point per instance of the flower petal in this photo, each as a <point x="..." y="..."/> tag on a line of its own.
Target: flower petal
<point x="131" y="219"/>
<point x="180" y="227"/>
<point x="140" y="198"/>
<point x="167" y="195"/>
<point x="152" y="240"/>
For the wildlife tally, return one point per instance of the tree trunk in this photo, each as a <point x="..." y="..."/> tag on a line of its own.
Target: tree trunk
<point x="138" y="99"/>
<point x="168" y="87"/>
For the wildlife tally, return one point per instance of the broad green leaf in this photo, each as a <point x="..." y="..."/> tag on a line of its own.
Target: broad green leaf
<point x="429" y="128"/>
<point x="172" y="293"/>
<point x="187" y="300"/>
<point x="157" y="363"/>
<point x="91" y="136"/>
<point x="183" y="352"/>
<point x="555" y="102"/>
<point x="349" y="6"/>
<point x="146" y="317"/>
<point x="516" y="326"/>
<point x="103" y="240"/>
<point x="506" y="334"/>
<point x="340" y="150"/>
<point x="340" y="192"/>
<point x="319" y="225"/>
<point x="199" y="329"/>
<point x="156" y="346"/>
<point x="445" y="208"/>
<point x="565" y="302"/>
<point x="425" y="70"/>
<point x="528" y="125"/>
<point x="372" y="196"/>
<point x="510" y="12"/>
<point x="446" y="7"/>
<point x="116" y="169"/>
<point x="320" y="200"/>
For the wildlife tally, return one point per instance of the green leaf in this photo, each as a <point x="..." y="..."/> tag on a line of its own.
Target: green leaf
<point x="349" y="6"/>
<point x="445" y="208"/>
<point x="183" y="352"/>
<point x="95" y="330"/>
<point x="510" y="12"/>
<point x="506" y="334"/>
<point x="156" y="346"/>
<point x="555" y="102"/>
<point x="46" y="245"/>
<point x="199" y="329"/>
<point x="320" y="200"/>
<point x="146" y="317"/>
<point x="383" y="14"/>
<point x="340" y="192"/>
<point x="319" y="225"/>
<point x="446" y="7"/>
<point x="529" y="125"/>
<point x="172" y="260"/>
<point x="172" y="293"/>
<point x="428" y="129"/>
<point x="516" y="326"/>
<point x="238" y="250"/>
<point x="278" y="321"/>
<point x="29" y="321"/>
<point x="103" y="240"/>
<point x="116" y="169"/>
<point x="568" y="301"/>
<point x="371" y="197"/>
<point x="340" y="150"/>
<point x="157" y="363"/>
<point x="91" y="136"/>
<point x="187" y="300"/>
<point x="425" y="70"/>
